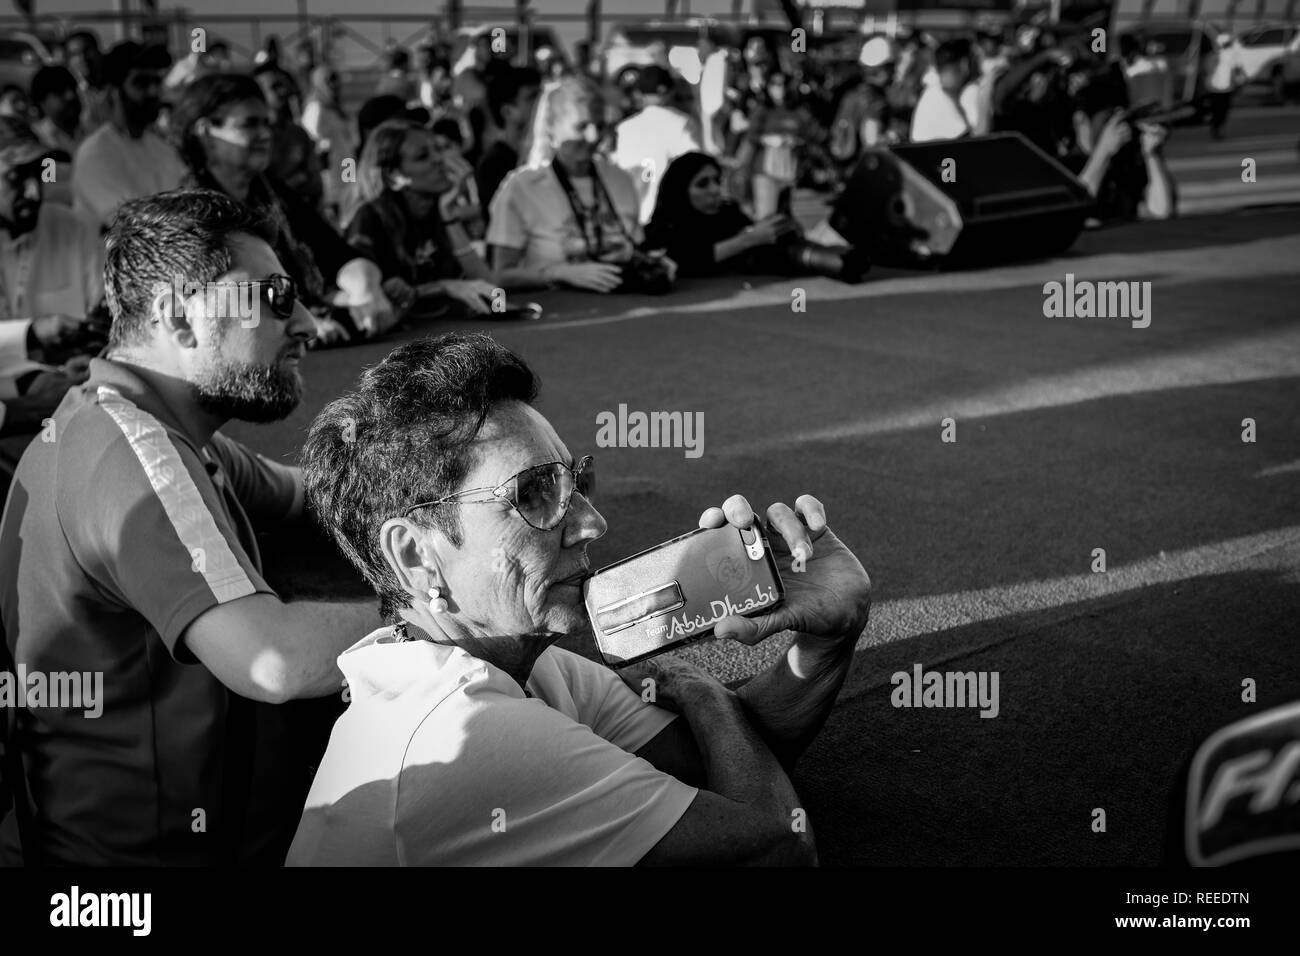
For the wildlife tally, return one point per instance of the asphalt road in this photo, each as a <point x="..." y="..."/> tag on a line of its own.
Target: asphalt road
<point x="1072" y="435"/>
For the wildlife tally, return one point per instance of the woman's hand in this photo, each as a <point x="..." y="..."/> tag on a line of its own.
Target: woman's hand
<point x="593" y="276"/>
<point x="827" y="591"/>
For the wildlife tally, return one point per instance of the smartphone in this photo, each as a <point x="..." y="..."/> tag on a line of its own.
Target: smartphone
<point x="674" y="593"/>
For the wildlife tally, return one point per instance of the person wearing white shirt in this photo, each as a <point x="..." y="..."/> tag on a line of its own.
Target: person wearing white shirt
<point x="126" y="158"/>
<point x="651" y="139"/>
<point x="713" y="94"/>
<point x="941" y="112"/>
<point x="1225" y="73"/>
<point x="51" y="276"/>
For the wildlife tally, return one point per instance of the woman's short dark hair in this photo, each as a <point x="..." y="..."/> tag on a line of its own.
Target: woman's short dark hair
<point x="208" y="98"/>
<point x="403" y="436"/>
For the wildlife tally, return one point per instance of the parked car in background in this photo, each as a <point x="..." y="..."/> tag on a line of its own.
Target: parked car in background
<point x="1264" y="51"/>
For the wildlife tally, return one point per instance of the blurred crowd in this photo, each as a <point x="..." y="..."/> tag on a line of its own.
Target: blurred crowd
<point x="455" y="185"/>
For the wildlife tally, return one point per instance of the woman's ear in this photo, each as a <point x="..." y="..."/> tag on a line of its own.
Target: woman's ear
<point x="410" y="554"/>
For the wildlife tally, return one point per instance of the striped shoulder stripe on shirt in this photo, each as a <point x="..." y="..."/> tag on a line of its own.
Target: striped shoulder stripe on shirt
<point x="180" y="497"/>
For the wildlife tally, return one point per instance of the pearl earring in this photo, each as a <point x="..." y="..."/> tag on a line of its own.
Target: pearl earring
<point x="437" y="603"/>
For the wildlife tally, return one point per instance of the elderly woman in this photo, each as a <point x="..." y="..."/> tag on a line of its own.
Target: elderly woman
<point x="411" y="223"/>
<point x="570" y="217"/>
<point x="222" y="129"/>
<point x="470" y="738"/>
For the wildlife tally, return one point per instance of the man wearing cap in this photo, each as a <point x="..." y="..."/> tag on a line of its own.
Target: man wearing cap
<point x="51" y="277"/>
<point x="126" y="158"/>
<point x="652" y="138"/>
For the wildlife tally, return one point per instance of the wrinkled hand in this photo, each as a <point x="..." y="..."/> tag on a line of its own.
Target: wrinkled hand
<point x="830" y="598"/>
<point x="675" y="681"/>
<point x="593" y="276"/>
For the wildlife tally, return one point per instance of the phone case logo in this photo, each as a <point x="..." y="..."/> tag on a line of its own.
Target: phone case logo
<point x="730" y="570"/>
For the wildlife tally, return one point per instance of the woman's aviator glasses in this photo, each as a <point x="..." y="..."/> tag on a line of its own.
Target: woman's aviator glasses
<point x="540" y="494"/>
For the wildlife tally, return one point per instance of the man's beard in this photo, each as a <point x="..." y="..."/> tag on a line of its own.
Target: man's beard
<point x="250" y="393"/>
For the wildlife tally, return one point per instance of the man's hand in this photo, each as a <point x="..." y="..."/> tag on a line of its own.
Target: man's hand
<point x="592" y="276"/>
<point x="675" y="681"/>
<point x="476" y="294"/>
<point x="830" y="597"/>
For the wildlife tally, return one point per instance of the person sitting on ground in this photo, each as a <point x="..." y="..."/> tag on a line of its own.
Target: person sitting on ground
<point x="940" y="112"/>
<point x="51" y="281"/>
<point x="653" y="137"/>
<point x="409" y="224"/>
<point x="55" y="94"/>
<point x="128" y="548"/>
<point x="511" y="98"/>
<point x="569" y="217"/>
<point x="126" y="158"/>
<point x="707" y="234"/>
<point x="294" y="161"/>
<point x="1130" y="180"/>
<point x="326" y="123"/>
<point x="470" y="517"/>
<point x="223" y="129"/>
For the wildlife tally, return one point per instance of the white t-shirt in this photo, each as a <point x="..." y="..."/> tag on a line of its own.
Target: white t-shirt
<point x="938" y="115"/>
<point x="647" y="143"/>
<point x="441" y="760"/>
<point x="531" y="212"/>
<point x="111" y="168"/>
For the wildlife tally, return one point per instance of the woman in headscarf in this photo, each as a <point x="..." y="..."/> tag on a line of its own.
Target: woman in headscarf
<point x="222" y="130"/>
<point x="707" y="234"/>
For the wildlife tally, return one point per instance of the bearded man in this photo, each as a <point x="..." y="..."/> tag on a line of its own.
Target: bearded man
<point x="127" y="550"/>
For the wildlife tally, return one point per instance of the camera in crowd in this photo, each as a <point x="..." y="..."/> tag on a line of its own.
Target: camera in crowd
<point x="645" y="275"/>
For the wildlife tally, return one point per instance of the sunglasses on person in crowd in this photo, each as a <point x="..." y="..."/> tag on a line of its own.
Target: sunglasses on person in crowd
<point x="540" y="494"/>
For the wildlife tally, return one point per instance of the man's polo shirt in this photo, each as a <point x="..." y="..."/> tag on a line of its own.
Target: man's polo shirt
<point x="118" y="533"/>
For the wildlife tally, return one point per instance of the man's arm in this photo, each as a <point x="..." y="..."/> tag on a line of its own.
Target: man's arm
<point x="264" y="649"/>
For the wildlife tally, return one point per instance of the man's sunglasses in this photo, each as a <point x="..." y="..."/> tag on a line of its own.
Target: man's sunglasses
<point x="540" y="494"/>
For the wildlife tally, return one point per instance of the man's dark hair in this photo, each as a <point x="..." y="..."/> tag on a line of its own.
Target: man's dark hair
<point x="208" y="97"/>
<point x="403" y="436"/>
<point x="376" y="110"/>
<point x="159" y="242"/>
<point x="504" y="87"/>
<point x="50" y="80"/>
